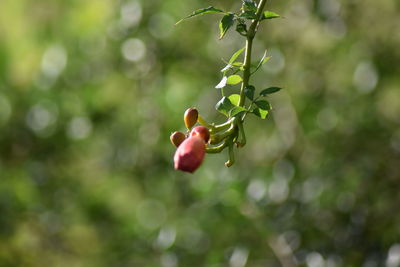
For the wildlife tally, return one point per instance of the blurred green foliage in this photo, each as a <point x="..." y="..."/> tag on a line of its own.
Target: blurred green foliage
<point x="91" y="89"/>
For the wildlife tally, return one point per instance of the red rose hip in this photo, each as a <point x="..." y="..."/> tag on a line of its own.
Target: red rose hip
<point x="202" y="132"/>
<point x="190" y="154"/>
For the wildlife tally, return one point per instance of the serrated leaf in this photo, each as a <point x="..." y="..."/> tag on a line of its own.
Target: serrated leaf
<point x="249" y="92"/>
<point x="263" y="104"/>
<point x="234" y="98"/>
<point x="248" y="15"/>
<point x="222" y="83"/>
<point x="224" y="106"/>
<point x="270" y="15"/>
<point x="236" y="55"/>
<point x="202" y="11"/>
<point x="225" y="24"/>
<point x="234" y="79"/>
<point x="269" y="90"/>
<point x="236" y="111"/>
<point x="260" y="113"/>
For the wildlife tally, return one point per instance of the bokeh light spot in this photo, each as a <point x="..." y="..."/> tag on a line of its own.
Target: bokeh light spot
<point x="365" y="77"/>
<point x="133" y="49"/>
<point x="239" y="257"/>
<point x="42" y="117"/>
<point x="131" y="13"/>
<point x="79" y="128"/>
<point x="54" y="61"/>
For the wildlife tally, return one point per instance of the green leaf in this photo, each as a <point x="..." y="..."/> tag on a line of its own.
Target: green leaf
<point x="249" y="92"/>
<point x="262" y="61"/>
<point x="270" y="15"/>
<point x="202" y="11"/>
<point x="236" y="111"/>
<point x="248" y="15"/>
<point x="232" y="62"/>
<point x="249" y="5"/>
<point x="262" y="109"/>
<point x="234" y="79"/>
<point x="224" y="106"/>
<point x="269" y="90"/>
<point x="237" y="64"/>
<point x="260" y="113"/>
<point x="235" y="56"/>
<point x="226" y="68"/>
<point x="241" y="28"/>
<point x="263" y="104"/>
<point x="225" y="24"/>
<point x="222" y="83"/>
<point x="234" y="98"/>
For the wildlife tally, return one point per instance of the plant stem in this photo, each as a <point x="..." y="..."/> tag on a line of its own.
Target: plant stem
<point x="222" y="126"/>
<point x="203" y="122"/>
<point x="217" y="138"/>
<point x="231" y="160"/>
<point x="216" y="149"/>
<point x="249" y="45"/>
<point x="242" y="135"/>
<point x="246" y="70"/>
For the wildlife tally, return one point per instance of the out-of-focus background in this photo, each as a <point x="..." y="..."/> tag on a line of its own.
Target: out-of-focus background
<point x="90" y="91"/>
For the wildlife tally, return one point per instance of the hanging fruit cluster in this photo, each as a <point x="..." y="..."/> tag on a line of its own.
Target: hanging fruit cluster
<point x="205" y="138"/>
<point x="212" y="138"/>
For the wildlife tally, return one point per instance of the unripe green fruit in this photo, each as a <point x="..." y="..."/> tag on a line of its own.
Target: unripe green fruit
<point x="190" y="117"/>
<point x="177" y="138"/>
<point x="202" y="132"/>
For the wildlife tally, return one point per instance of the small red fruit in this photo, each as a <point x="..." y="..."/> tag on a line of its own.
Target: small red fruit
<point x="177" y="138"/>
<point x="190" y="154"/>
<point x="202" y="132"/>
<point x="190" y="117"/>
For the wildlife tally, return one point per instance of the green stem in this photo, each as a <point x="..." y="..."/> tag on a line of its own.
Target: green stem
<point x="242" y="135"/>
<point x="246" y="70"/>
<point x="217" y="138"/>
<point x="231" y="160"/>
<point x="223" y="125"/>
<point x="203" y="122"/>
<point x="216" y="149"/>
<point x="249" y="45"/>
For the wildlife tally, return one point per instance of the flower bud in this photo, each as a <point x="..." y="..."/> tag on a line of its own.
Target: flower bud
<point x="190" y="154"/>
<point x="202" y="132"/>
<point x="177" y="138"/>
<point x="190" y="117"/>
